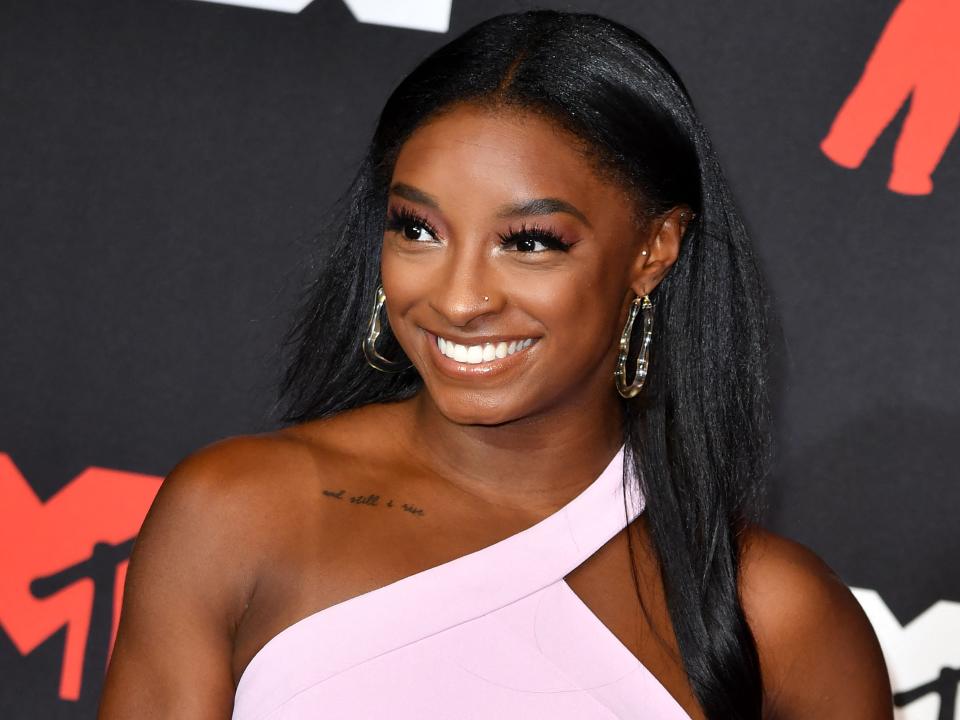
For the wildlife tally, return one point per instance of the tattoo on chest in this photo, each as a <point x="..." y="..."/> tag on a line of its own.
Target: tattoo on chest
<point x="374" y="501"/>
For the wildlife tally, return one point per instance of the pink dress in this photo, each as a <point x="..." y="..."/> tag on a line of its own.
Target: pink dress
<point x="496" y="633"/>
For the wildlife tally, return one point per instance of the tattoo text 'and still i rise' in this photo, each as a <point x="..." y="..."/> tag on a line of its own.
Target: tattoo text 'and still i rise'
<point x="374" y="501"/>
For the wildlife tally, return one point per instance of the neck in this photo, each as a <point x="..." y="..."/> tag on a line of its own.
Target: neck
<point x="537" y="463"/>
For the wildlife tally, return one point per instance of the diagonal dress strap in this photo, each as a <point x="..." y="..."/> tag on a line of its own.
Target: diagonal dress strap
<point x="364" y="627"/>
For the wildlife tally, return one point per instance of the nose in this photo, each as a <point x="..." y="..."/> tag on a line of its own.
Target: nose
<point x="467" y="286"/>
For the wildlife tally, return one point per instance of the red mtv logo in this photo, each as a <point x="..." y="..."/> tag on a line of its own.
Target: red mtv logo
<point x="916" y="57"/>
<point x="55" y="552"/>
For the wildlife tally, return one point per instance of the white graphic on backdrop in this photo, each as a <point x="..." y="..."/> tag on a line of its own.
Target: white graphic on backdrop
<point x="923" y="656"/>
<point x="419" y="14"/>
<point x="432" y="15"/>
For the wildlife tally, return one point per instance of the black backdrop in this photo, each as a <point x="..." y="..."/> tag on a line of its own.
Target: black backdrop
<point x="164" y="164"/>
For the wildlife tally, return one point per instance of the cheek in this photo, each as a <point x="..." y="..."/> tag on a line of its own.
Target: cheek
<point x="401" y="282"/>
<point x="566" y="304"/>
<point x="581" y="309"/>
<point x="548" y="299"/>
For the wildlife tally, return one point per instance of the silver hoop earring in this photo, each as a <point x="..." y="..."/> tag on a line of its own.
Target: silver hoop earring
<point x="374" y="358"/>
<point x="629" y="390"/>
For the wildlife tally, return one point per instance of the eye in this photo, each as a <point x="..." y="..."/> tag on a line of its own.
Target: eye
<point x="409" y="224"/>
<point x="526" y="240"/>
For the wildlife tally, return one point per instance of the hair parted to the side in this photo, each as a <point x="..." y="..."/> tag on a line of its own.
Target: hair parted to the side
<point x="698" y="435"/>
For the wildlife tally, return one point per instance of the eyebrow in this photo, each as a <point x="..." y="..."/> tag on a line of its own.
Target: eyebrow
<point x="538" y="206"/>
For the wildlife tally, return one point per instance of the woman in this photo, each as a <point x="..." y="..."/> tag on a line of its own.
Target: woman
<point x="526" y="429"/>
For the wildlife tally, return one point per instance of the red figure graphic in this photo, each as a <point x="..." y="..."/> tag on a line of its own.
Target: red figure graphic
<point x="917" y="56"/>
<point x="52" y="549"/>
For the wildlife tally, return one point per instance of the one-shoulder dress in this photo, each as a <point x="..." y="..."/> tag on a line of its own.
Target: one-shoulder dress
<point x="496" y="633"/>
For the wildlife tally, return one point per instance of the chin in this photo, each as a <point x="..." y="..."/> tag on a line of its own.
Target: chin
<point x="469" y="409"/>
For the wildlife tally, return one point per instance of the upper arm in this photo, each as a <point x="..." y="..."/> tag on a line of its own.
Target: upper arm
<point x="185" y="589"/>
<point x="819" y="655"/>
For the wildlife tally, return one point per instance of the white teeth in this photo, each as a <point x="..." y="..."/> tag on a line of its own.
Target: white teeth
<point x="474" y="354"/>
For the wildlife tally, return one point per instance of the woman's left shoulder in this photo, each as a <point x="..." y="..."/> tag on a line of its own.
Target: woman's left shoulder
<point x="819" y="654"/>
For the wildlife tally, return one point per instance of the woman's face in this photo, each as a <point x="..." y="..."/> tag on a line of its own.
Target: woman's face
<point x="504" y="247"/>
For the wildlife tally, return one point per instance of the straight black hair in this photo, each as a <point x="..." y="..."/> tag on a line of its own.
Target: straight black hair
<point x="697" y="436"/>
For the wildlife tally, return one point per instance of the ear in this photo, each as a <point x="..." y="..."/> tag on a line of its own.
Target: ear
<point x="657" y="253"/>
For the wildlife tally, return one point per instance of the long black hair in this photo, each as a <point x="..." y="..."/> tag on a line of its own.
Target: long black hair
<point x="697" y="436"/>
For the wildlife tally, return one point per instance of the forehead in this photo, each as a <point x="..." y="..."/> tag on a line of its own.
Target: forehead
<point x="501" y="155"/>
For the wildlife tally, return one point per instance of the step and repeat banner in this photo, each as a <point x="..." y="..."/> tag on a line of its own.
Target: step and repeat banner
<point x="164" y="165"/>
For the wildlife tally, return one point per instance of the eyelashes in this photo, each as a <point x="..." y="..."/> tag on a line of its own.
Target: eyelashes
<point x="525" y="237"/>
<point x="401" y="220"/>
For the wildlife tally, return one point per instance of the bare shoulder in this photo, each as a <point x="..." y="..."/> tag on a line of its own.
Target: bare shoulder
<point x="243" y="491"/>
<point x="233" y="481"/>
<point x="819" y="655"/>
<point x="244" y="494"/>
<point x="212" y="502"/>
<point x="232" y="472"/>
<point x="194" y="565"/>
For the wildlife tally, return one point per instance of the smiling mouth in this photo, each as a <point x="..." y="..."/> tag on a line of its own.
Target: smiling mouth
<point x="484" y="352"/>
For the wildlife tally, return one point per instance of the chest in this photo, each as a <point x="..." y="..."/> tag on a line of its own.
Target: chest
<point x="363" y="543"/>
